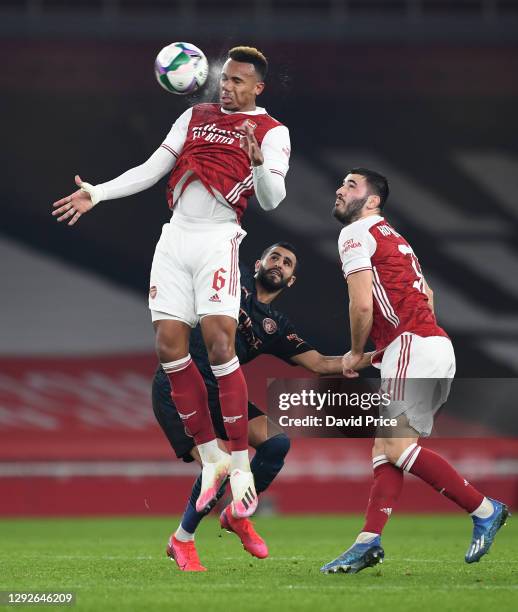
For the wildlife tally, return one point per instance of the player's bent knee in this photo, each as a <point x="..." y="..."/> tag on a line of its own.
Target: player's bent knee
<point x="220" y="352"/>
<point x="378" y="447"/>
<point x="394" y="448"/>
<point x="171" y="346"/>
<point x="167" y="353"/>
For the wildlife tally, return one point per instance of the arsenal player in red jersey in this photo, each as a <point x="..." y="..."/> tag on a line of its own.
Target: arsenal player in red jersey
<point x="390" y="302"/>
<point x="217" y="156"/>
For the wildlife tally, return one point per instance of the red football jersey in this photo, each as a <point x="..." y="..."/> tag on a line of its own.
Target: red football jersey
<point x="400" y="302"/>
<point x="211" y="153"/>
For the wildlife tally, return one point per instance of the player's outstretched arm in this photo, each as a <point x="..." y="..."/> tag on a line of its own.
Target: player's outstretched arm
<point x="326" y="365"/>
<point x="132" y="181"/>
<point x="317" y="363"/>
<point x="76" y="204"/>
<point x="351" y="366"/>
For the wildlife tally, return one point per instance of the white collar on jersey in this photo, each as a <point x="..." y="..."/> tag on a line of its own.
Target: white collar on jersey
<point x="367" y="221"/>
<point x="259" y="110"/>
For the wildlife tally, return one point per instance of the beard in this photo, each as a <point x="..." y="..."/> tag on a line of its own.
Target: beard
<point x="269" y="281"/>
<point x="352" y="212"/>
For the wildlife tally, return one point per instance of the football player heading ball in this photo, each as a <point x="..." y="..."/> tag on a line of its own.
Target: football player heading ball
<point x="217" y="156"/>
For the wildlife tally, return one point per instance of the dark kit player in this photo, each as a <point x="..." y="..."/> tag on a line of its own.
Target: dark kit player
<point x="389" y="302"/>
<point x="261" y="330"/>
<point x="217" y="156"/>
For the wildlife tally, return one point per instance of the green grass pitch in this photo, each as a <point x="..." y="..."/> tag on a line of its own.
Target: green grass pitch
<point x="120" y="564"/>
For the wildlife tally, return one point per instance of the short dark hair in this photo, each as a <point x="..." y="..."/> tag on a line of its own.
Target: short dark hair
<point x="284" y="245"/>
<point x="376" y="182"/>
<point x="250" y="55"/>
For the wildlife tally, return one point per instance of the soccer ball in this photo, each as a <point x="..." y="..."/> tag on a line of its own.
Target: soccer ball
<point x="181" y="68"/>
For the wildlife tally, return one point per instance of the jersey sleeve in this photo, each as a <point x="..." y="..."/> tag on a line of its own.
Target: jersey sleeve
<point x="269" y="177"/>
<point x="356" y="246"/>
<point x="175" y="140"/>
<point x="276" y="148"/>
<point x="289" y="344"/>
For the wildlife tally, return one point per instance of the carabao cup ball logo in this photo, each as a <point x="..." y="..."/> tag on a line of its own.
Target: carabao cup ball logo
<point x="181" y="68"/>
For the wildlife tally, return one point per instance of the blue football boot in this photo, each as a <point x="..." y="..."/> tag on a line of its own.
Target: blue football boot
<point x="356" y="558"/>
<point x="484" y="531"/>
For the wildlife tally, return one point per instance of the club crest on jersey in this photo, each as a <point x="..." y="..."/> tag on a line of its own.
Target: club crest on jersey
<point x="214" y="298"/>
<point x="269" y="325"/>
<point x="152" y="292"/>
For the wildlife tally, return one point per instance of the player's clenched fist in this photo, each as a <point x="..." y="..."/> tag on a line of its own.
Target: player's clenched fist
<point x="250" y="145"/>
<point x="78" y="203"/>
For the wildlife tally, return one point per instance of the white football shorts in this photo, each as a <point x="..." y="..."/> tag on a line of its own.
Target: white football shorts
<point x="195" y="271"/>
<point x="417" y="372"/>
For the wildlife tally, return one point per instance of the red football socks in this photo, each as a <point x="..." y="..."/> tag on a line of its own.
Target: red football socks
<point x="385" y="491"/>
<point x="190" y="396"/>
<point x="439" y="474"/>
<point x="233" y="399"/>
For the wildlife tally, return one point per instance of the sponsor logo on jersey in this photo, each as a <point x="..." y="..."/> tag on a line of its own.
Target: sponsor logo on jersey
<point x="232" y="419"/>
<point x="211" y="133"/>
<point x="286" y="151"/>
<point x="269" y="326"/>
<point x="350" y="244"/>
<point x="214" y="298"/>
<point x="295" y="338"/>
<point x="152" y="292"/>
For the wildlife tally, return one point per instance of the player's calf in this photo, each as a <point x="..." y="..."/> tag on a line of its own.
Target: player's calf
<point x="268" y="460"/>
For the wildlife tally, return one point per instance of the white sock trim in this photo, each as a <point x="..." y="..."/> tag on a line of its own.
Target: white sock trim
<point x="209" y="451"/>
<point x="176" y="366"/>
<point x="412" y="459"/>
<point x="408" y="457"/>
<point x="225" y="368"/>
<point x="485" y="510"/>
<point x="182" y="535"/>
<point x="365" y="537"/>
<point x="379" y="460"/>
<point x="240" y="460"/>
